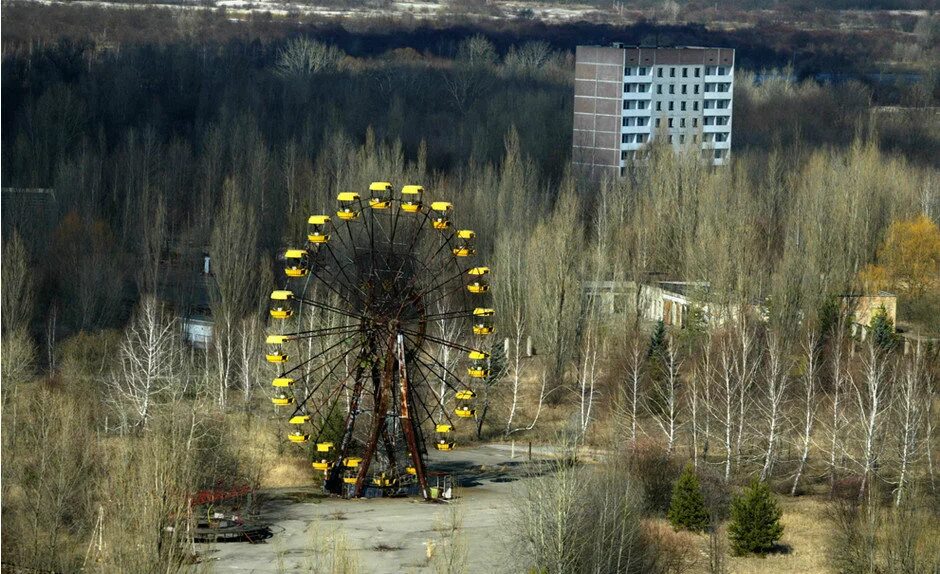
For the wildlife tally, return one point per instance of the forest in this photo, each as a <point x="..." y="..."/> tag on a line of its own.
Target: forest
<point x="125" y="163"/>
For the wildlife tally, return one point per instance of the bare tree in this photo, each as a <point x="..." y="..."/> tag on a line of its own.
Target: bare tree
<point x="776" y="380"/>
<point x="630" y="392"/>
<point x="746" y="364"/>
<point x="911" y="408"/>
<point x="808" y="395"/>
<point x="729" y="390"/>
<point x="511" y="299"/>
<point x="233" y="249"/>
<point x="250" y="336"/>
<point x="872" y="401"/>
<point x="837" y="416"/>
<point x="303" y="57"/>
<point x="665" y="404"/>
<point x="588" y="376"/>
<point x="17" y="293"/>
<point x="149" y="361"/>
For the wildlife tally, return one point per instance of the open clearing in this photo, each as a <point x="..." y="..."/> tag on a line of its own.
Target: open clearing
<point x="386" y="535"/>
<point x="391" y="535"/>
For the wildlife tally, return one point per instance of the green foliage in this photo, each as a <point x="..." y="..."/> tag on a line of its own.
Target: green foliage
<point x="882" y="330"/>
<point x="687" y="509"/>
<point x="755" y="520"/>
<point x="658" y="342"/>
<point x="333" y="427"/>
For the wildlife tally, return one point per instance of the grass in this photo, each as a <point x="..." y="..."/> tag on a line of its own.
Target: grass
<point x="805" y="532"/>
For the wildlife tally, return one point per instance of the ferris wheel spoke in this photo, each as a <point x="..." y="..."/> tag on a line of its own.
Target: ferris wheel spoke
<point x="450" y="315"/>
<point x="439" y="364"/>
<point x="334" y="395"/>
<point x="442" y="296"/>
<point x="342" y="269"/>
<point x="318" y="355"/>
<point x="329" y="286"/>
<point x="438" y="400"/>
<point x="338" y="330"/>
<point x="327" y="307"/>
<point x="444" y="282"/>
<point x="429" y="415"/>
<point x="434" y="339"/>
<point x="337" y="361"/>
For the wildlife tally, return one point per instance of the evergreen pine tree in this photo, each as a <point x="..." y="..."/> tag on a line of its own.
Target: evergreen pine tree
<point x="882" y="330"/>
<point x="755" y="520"/>
<point x="658" y="343"/>
<point x="687" y="508"/>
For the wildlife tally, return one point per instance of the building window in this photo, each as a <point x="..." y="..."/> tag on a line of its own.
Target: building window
<point x="659" y="89"/>
<point x="672" y="72"/>
<point x="717" y="154"/>
<point x="658" y="121"/>
<point x="698" y="71"/>
<point x="671" y="107"/>
<point x="685" y="89"/>
<point x="640" y="138"/>
<point x="695" y="89"/>
<point x="659" y="106"/>
<point x="682" y="106"/>
<point x="641" y="71"/>
<point x="709" y="70"/>
<point x="670" y="139"/>
<point x="642" y="121"/>
<point x="721" y="70"/>
<point x="643" y="105"/>
<point x="659" y="72"/>
<point x="682" y="123"/>
<point x="694" y="122"/>
<point x="685" y="72"/>
<point x="670" y="122"/>
<point x="672" y="88"/>
<point x="694" y="106"/>
<point x="682" y="138"/>
<point x="694" y="138"/>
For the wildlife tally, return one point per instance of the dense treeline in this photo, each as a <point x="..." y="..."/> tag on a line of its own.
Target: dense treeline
<point x="157" y="153"/>
<point x="811" y="44"/>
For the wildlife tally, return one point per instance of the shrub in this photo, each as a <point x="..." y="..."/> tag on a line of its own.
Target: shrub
<point x="755" y="521"/>
<point x="687" y="509"/>
<point x="655" y="471"/>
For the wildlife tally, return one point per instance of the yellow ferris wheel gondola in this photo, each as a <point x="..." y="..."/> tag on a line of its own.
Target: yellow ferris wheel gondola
<point x="317" y="229"/>
<point x="411" y="198"/>
<point x="464" y="247"/>
<point x="381" y="194"/>
<point x="348" y="205"/>
<point x="296" y="263"/>
<point x="441" y="218"/>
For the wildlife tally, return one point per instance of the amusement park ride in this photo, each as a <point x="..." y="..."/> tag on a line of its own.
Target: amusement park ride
<point x="378" y="311"/>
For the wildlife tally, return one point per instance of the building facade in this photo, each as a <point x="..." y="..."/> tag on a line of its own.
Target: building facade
<point x="626" y="97"/>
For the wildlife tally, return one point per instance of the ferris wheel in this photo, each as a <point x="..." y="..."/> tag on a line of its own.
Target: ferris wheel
<point x="380" y="339"/>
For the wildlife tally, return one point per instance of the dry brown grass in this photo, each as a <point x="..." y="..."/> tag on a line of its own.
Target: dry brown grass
<point x="805" y="535"/>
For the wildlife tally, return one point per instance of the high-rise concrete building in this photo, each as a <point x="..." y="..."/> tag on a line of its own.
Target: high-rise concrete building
<point x="624" y="97"/>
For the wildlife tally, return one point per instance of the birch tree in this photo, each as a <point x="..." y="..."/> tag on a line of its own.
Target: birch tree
<point x="910" y="408"/>
<point x="871" y="394"/>
<point x="510" y="295"/>
<point x="149" y="362"/>
<point x="665" y="406"/>
<point x="776" y="380"/>
<point x="807" y="383"/>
